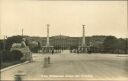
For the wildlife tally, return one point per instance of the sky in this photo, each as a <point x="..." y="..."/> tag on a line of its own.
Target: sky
<point x="64" y="17"/>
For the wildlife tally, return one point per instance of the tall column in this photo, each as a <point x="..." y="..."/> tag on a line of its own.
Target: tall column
<point x="83" y="40"/>
<point x="47" y="44"/>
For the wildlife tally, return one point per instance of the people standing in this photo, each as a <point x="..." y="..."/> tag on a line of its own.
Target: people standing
<point x="52" y="51"/>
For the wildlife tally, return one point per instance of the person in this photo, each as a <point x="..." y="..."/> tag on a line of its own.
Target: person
<point x="77" y="51"/>
<point x="48" y="59"/>
<point x="52" y="51"/>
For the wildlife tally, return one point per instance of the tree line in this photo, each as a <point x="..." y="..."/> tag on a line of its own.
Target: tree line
<point x="100" y="44"/>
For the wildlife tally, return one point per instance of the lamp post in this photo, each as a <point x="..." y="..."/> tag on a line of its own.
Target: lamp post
<point x="126" y="51"/>
<point x="4" y="43"/>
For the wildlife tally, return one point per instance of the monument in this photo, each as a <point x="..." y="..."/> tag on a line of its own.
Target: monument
<point x="83" y="47"/>
<point x="47" y="43"/>
<point x="48" y="48"/>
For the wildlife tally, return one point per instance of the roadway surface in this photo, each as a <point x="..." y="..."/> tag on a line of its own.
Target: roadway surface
<point x="71" y="66"/>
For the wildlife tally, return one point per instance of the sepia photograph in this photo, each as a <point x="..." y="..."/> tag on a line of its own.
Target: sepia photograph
<point x="63" y="40"/>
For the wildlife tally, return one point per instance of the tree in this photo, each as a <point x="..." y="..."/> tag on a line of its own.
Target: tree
<point x="11" y="40"/>
<point x="34" y="47"/>
<point x="1" y="45"/>
<point x="121" y="44"/>
<point x="110" y="44"/>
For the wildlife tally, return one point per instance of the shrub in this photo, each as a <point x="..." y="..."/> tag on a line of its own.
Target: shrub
<point x="16" y="55"/>
<point x="7" y="56"/>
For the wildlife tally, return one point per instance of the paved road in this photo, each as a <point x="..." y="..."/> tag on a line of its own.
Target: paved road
<point x="73" y="66"/>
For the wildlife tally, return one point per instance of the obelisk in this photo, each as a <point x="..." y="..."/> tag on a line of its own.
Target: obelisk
<point x="47" y="44"/>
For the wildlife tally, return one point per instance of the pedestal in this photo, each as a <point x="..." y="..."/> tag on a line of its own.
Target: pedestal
<point x="47" y="49"/>
<point x="82" y="49"/>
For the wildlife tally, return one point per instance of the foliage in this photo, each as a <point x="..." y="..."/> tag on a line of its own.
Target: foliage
<point x="11" y="40"/>
<point x="110" y="44"/>
<point x="1" y="45"/>
<point x="34" y="46"/>
<point x="7" y="56"/>
<point x="16" y="55"/>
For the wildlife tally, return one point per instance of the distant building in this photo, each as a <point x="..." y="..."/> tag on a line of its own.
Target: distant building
<point x="67" y="42"/>
<point x="64" y="42"/>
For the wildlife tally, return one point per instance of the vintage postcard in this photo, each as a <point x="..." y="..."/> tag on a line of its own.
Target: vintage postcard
<point x="63" y="40"/>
